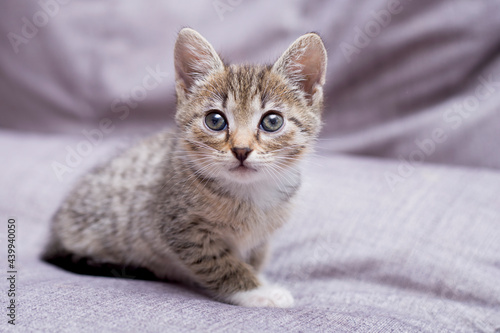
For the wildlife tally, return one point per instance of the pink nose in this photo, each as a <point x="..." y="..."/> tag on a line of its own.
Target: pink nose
<point x="241" y="153"/>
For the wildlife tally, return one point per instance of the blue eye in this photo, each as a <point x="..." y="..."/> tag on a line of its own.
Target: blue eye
<point x="271" y="122"/>
<point x="215" y="121"/>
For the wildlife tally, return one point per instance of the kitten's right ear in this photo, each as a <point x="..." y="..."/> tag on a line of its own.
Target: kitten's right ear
<point x="194" y="58"/>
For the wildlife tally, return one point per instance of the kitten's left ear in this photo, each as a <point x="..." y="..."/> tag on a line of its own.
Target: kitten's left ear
<point x="304" y="63"/>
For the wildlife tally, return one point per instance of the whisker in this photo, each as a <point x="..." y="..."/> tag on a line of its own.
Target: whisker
<point x="281" y="174"/>
<point x="273" y="177"/>
<point x="304" y="160"/>
<point x="284" y="166"/>
<point x="201" y="144"/>
<point x="278" y="180"/>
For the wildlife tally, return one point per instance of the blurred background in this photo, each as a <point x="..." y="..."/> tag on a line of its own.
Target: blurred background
<point x="417" y="81"/>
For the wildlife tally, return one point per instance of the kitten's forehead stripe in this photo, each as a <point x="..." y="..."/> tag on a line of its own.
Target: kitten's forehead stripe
<point x="263" y="100"/>
<point x="224" y="99"/>
<point x="244" y="83"/>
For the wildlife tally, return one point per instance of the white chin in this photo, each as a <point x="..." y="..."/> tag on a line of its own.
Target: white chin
<point x="242" y="175"/>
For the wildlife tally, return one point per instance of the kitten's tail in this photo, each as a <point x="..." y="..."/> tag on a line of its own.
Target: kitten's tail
<point x="54" y="251"/>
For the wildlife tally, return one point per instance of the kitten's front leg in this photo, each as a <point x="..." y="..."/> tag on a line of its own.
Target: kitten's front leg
<point x="222" y="273"/>
<point x="258" y="256"/>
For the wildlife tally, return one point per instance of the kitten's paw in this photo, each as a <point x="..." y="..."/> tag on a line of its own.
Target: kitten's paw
<point x="264" y="296"/>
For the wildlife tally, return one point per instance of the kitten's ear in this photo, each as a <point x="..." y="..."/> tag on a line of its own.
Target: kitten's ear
<point x="304" y="63"/>
<point x="194" y="58"/>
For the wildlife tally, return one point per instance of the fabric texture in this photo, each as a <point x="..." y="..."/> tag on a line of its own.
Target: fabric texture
<point x="397" y="226"/>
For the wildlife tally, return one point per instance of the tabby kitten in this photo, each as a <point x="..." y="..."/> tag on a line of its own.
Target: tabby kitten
<point x="200" y="204"/>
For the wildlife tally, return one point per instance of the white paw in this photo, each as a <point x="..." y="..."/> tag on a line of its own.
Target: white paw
<point x="264" y="296"/>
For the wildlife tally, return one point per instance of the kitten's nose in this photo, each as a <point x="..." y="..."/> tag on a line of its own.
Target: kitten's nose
<point x="241" y="153"/>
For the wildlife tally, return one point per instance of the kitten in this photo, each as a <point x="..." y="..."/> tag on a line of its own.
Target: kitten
<point x="200" y="204"/>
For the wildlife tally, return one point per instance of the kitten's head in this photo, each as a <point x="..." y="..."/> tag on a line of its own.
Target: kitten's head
<point x="248" y="123"/>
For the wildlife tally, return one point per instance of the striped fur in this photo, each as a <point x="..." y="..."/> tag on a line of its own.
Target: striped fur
<point x="180" y="204"/>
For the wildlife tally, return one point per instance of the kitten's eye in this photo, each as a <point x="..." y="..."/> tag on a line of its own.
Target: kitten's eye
<point x="215" y="121"/>
<point x="271" y="122"/>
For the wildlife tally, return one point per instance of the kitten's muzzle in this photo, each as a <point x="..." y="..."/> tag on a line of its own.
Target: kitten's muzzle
<point x="241" y="155"/>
